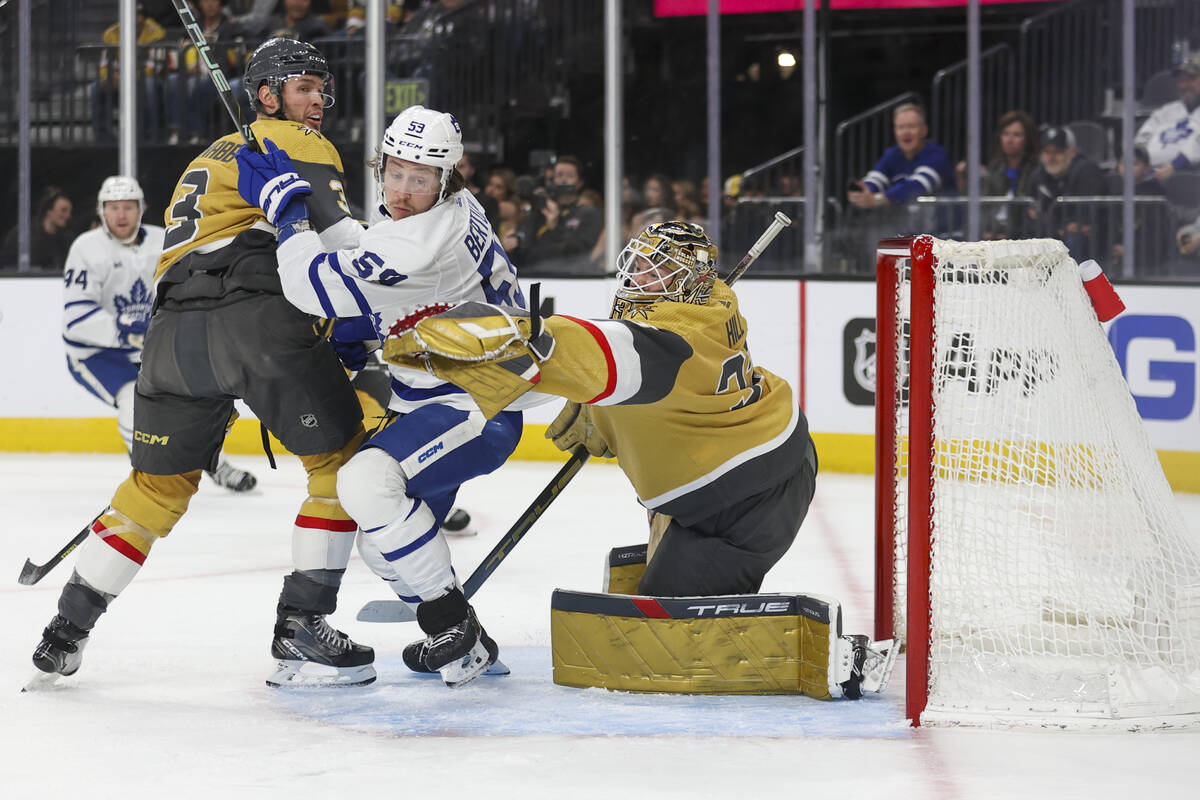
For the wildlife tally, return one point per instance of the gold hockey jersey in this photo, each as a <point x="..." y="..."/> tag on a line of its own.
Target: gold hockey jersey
<point x="206" y="214"/>
<point x="695" y="425"/>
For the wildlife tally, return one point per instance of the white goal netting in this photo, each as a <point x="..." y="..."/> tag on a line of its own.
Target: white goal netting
<point x="1063" y="581"/>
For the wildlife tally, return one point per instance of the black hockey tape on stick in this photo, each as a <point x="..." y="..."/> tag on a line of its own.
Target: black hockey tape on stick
<point x="780" y="222"/>
<point x="399" y="611"/>
<point x="32" y="573"/>
<point x="214" y="71"/>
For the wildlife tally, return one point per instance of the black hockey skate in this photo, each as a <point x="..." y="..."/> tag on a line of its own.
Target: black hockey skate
<point x="59" y="653"/>
<point x="311" y="653"/>
<point x="414" y="656"/>
<point x="232" y="478"/>
<point x="462" y="652"/>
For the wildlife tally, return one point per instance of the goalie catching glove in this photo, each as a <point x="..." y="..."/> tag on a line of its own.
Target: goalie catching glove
<point x="573" y="427"/>
<point x="489" y="351"/>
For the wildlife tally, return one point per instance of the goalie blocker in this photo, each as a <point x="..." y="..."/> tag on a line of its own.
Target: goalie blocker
<point x="734" y="644"/>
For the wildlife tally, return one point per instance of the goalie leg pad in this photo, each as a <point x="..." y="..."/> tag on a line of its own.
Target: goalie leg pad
<point x="734" y="644"/>
<point x="624" y="569"/>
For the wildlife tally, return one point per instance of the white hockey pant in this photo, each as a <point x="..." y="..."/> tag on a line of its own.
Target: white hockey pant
<point x="124" y="403"/>
<point x="400" y="540"/>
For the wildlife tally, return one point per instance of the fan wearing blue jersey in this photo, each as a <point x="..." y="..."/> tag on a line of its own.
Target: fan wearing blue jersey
<point x="911" y="168"/>
<point x="434" y="247"/>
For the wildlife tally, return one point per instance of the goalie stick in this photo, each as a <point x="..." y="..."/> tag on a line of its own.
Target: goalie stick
<point x="214" y="71"/>
<point x="399" y="611"/>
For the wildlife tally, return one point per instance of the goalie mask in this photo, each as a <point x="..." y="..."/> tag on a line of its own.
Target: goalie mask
<point x="667" y="261"/>
<point x="121" y="187"/>
<point x="422" y="136"/>
<point x="275" y="61"/>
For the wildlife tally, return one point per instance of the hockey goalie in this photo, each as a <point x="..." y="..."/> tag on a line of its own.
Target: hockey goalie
<point x="719" y="453"/>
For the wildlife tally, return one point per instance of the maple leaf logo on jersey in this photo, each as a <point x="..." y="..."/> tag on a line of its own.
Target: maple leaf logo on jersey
<point x="137" y="306"/>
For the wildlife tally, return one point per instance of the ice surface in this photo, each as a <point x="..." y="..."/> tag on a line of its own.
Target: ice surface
<point x="170" y="701"/>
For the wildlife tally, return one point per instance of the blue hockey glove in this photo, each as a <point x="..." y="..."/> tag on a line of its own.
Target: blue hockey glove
<point x="352" y="339"/>
<point x="270" y="181"/>
<point x="131" y="328"/>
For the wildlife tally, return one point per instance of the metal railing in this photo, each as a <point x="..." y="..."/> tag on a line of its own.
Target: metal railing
<point x="1066" y="60"/>
<point x="948" y="99"/>
<point x="781" y="175"/>
<point x="1090" y="226"/>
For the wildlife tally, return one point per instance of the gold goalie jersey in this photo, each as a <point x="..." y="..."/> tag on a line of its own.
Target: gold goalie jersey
<point x="206" y="213"/>
<point x="693" y="422"/>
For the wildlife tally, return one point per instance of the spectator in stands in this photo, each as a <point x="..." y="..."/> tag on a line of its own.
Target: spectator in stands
<point x="1172" y="134"/>
<point x="658" y="203"/>
<point x="190" y="95"/>
<point x="51" y="237"/>
<point x="1187" y="263"/>
<point x="298" y="22"/>
<point x="105" y="90"/>
<point x="510" y="223"/>
<point x="466" y="168"/>
<point x="1013" y="159"/>
<point x="1150" y="221"/>
<point x="253" y="16"/>
<point x="560" y="232"/>
<point x="687" y="204"/>
<point x="911" y="168"/>
<point x="1065" y="172"/>
<point x="435" y="31"/>
<point x="501" y="184"/>
<point x="1144" y="182"/>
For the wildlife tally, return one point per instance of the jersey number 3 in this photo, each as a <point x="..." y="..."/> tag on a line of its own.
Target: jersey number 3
<point x="733" y="369"/>
<point x="185" y="212"/>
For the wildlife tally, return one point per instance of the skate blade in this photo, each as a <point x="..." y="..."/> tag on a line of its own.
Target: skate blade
<point x="41" y="681"/>
<point x="469" y="667"/>
<point x="497" y="670"/>
<point x="307" y="675"/>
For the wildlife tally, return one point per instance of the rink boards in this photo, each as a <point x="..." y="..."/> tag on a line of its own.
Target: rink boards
<point x="819" y="335"/>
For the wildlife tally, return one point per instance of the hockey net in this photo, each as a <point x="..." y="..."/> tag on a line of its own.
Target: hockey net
<point x="1046" y="576"/>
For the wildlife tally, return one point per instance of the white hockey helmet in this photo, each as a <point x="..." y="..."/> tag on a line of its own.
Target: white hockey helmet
<point x="120" y="187"/>
<point x="423" y="136"/>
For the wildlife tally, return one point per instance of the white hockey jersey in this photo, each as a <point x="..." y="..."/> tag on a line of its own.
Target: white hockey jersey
<point x="103" y="278"/>
<point x="1172" y="136"/>
<point x="448" y="254"/>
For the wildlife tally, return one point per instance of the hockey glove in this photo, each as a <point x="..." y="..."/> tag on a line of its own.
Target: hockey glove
<point x="270" y="181"/>
<point x="573" y="427"/>
<point x="484" y="349"/>
<point x="131" y="328"/>
<point x="353" y="338"/>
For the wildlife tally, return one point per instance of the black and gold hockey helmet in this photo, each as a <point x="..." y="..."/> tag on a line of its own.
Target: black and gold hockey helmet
<point x="672" y="260"/>
<point x="276" y="60"/>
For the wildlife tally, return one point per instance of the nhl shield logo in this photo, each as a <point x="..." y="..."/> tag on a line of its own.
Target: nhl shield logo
<point x="864" y="359"/>
<point x="858" y="361"/>
<point x="308" y="420"/>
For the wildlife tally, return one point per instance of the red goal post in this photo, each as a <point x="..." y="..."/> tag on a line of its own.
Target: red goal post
<point x="1046" y="577"/>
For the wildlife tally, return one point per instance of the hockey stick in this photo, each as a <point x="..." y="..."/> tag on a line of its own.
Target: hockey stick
<point x="32" y="573"/>
<point x="218" y="77"/>
<point x="780" y="222"/>
<point x="399" y="611"/>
